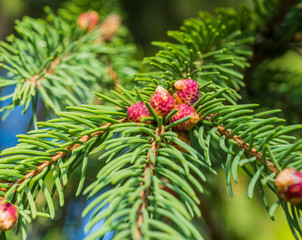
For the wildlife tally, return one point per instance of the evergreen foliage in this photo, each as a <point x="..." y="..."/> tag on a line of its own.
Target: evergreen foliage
<point x="150" y="179"/>
<point x="70" y="60"/>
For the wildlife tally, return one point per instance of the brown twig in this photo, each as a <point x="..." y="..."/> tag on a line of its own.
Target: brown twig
<point x="144" y="194"/>
<point x="59" y="155"/>
<point x="245" y="146"/>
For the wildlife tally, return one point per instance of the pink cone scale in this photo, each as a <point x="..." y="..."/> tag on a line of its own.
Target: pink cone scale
<point x="8" y="216"/>
<point x="186" y="91"/>
<point x="137" y="112"/>
<point x="162" y="102"/>
<point x="185" y="111"/>
<point x="289" y="185"/>
<point x="88" y="20"/>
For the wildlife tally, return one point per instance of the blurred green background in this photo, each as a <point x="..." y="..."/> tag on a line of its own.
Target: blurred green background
<point x="237" y="218"/>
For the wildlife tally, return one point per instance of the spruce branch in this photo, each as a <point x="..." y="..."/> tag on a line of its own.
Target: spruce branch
<point x="63" y="146"/>
<point x="245" y="146"/>
<point x="61" y="69"/>
<point x="253" y="133"/>
<point x="139" y="155"/>
<point x="59" y="155"/>
<point x="108" y="30"/>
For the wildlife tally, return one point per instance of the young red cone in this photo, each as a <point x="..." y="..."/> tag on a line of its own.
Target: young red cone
<point x="8" y="216"/>
<point x="88" y="20"/>
<point x="110" y="27"/>
<point x="187" y="91"/>
<point x="162" y="102"/>
<point x="184" y="111"/>
<point x="137" y="112"/>
<point x="289" y="185"/>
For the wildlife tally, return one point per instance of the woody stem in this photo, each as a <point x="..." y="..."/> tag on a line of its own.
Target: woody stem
<point x="145" y="193"/>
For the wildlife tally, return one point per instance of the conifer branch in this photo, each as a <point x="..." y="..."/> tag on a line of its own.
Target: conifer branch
<point x="60" y="155"/>
<point x="245" y="146"/>
<point x="73" y="63"/>
<point x="108" y="30"/>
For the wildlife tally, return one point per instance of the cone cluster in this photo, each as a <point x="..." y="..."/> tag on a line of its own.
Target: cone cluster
<point x="162" y="102"/>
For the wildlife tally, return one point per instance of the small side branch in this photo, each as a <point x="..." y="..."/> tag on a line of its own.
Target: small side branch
<point x="245" y="146"/>
<point x="108" y="30"/>
<point x="59" y="155"/>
